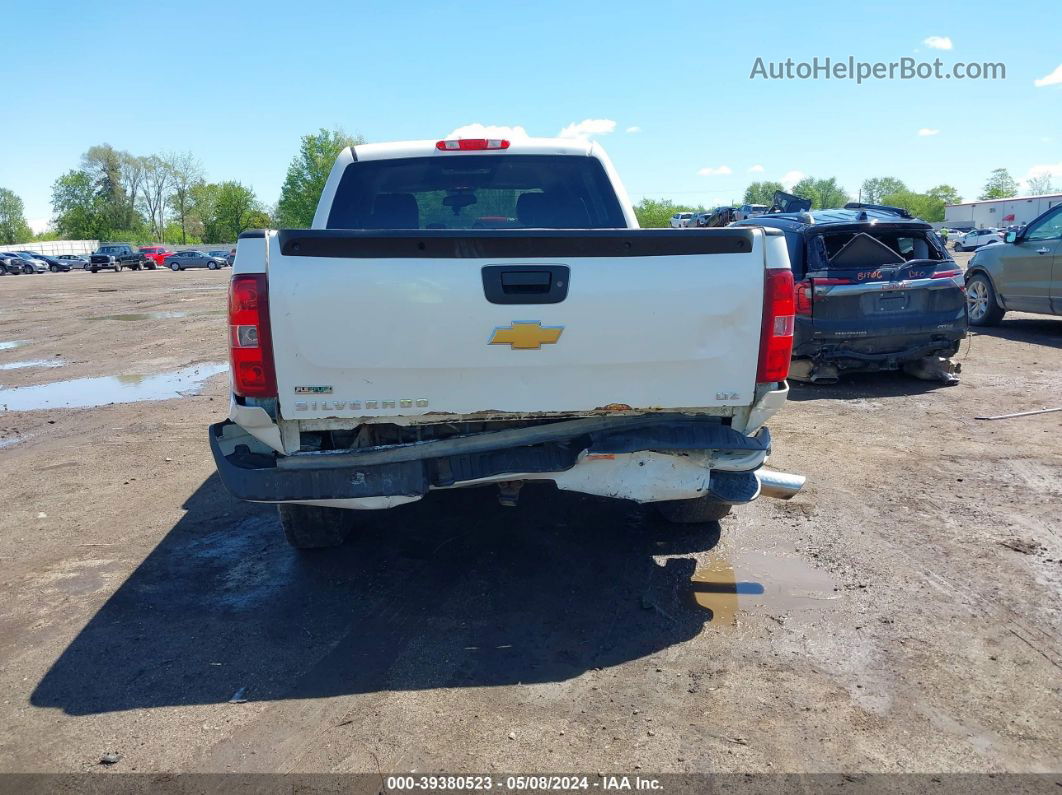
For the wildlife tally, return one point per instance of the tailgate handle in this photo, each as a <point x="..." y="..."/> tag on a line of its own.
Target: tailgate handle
<point x="525" y="284"/>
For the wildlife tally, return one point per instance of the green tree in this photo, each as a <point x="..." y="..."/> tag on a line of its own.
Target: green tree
<point x="307" y="174"/>
<point x="656" y="213"/>
<point x="762" y="192"/>
<point x="920" y="205"/>
<point x="823" y="193"/>
<point x="946" y="193"/>
<point x="875" y="189"/>
<point x="185" y="171"/>
<point x="13" y="226"/>
<point x="1038" y="186"/>
<point x="1000" y="185"/>
<point x="80" y="212"/>
<point x="225" y="210"/>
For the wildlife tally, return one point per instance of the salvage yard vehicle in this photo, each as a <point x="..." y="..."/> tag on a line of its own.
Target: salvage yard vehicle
<point x="976" y="238"/>
<point x="10" y="263"/>
<point x="29" y="263"/>
<point x="54" y="265"/>
<point x="182" y="260"/>
<point x="76" y="261"/>
<point x="1024" y="274"/>
<point x="156" y="254"/>
<point x="876" y="290"/>
<point x="395" y="348"/>
<point x="680" y="220"/>
<point x="118" y="256"/>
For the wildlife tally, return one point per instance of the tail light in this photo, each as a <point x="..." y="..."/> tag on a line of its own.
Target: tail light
<point x="776" y="335"/>
<point x="467" y="144"/>
<point x="949" y="274"/>
<point x="250" y="343"/>
<point x="803" y="297"/>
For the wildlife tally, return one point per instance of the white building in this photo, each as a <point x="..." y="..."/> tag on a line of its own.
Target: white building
<point x="998" y="213"/>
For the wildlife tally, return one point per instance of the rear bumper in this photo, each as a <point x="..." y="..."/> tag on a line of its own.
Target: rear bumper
<point x="876" y="354"/>
<point x="670" y="459"/>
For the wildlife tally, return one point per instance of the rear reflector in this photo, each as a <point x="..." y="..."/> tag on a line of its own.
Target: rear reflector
<point x="946" y="274"/>
<point x="471" y="143"/>
<point x="250" y="344"/>
<point x="776" y="335"/>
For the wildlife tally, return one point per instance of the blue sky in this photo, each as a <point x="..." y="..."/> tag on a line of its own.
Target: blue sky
<point x="238" y="83"/>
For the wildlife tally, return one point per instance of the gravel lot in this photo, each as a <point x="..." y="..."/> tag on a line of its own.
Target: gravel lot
<point x="901" y="614"/>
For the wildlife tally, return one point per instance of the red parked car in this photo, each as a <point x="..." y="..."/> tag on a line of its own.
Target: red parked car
<point x="156" y="253"/>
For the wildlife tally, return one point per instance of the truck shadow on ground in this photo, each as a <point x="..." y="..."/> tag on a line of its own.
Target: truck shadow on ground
<point x="1034" y="330"/>
<point x="453" y="591"/>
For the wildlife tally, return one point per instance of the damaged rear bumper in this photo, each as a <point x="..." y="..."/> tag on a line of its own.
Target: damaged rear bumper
<point x="662" y="457"/>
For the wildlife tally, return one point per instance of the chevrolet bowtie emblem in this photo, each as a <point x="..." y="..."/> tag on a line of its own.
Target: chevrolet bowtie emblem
<point x="526" y="335"/>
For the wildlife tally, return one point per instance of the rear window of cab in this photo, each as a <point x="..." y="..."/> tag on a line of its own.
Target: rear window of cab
<point x="476" y="192"/>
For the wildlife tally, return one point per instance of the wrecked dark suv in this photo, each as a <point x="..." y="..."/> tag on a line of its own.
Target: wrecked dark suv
<point x="875" y="290"/>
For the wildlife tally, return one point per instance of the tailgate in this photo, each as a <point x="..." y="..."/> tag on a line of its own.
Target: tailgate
<point x="914" y="298"/>
<point x="400" y="324"/>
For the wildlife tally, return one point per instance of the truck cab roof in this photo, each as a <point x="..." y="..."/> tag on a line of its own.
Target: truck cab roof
<point x="519" y="146"/>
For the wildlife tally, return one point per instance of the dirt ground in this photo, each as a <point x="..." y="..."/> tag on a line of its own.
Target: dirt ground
<point x="901" y="614"/>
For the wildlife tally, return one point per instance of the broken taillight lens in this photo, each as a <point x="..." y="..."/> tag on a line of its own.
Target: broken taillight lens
<point x="776" y="334"/>
<point x="250" y="344"/>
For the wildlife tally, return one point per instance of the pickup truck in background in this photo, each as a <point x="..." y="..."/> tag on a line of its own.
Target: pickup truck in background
<point x="469" y="312"/>
<point x="117" y="256"/>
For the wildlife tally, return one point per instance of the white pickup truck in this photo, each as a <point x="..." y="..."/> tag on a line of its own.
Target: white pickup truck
<point x="469" y="312"/>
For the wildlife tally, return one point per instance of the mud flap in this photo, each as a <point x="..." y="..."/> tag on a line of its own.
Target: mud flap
<point x="934" y="368"/>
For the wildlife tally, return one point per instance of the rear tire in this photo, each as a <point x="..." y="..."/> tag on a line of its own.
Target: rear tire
<point x="53" y="268"/>
<point x="94" y="270"/>
<point x="118" y="268"/>
<point x="212" y="266"/>
<point x="981" y="302"/>
<point x="696" y="511"/>
<point x="174" y="267"/>
<point x="314" y="527"/>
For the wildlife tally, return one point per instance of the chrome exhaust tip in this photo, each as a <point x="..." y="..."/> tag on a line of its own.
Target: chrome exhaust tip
<point x="780" y="485"/>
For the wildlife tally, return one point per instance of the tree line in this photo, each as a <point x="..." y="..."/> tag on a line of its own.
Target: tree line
<point x="827" y="192"/>
<point x="165" y="198"/>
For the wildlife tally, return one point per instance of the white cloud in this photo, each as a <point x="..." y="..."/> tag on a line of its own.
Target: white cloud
<point x="791" y="178"/>
<point x="38" y="225"/>
<point x="927" y="131"/>
<point x="1051" y="79"/>
<point x="588" y="127"/>
<point x="938" y="42"/>
<point x="709" y="171"/>
<point x="478" y="130"/>
<point x="756" y="169"/>
<point x="633" y="130"/>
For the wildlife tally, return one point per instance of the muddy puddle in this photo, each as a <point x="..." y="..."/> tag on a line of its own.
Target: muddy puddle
<point x="32" y="363"/>
<point x="86" y="392"/>
<point x="6" y="345"/>
<point x="769" y="583"/>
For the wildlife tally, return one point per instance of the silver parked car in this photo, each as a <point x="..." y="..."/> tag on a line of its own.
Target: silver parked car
<point x="181" y="260"/>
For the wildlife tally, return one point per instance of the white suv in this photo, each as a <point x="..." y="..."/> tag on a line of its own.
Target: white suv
<point x="680" y="220"/>
<point x="977" y="238"/>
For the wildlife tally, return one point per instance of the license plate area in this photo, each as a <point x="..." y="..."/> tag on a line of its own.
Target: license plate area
<point x="893" y="301"/>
